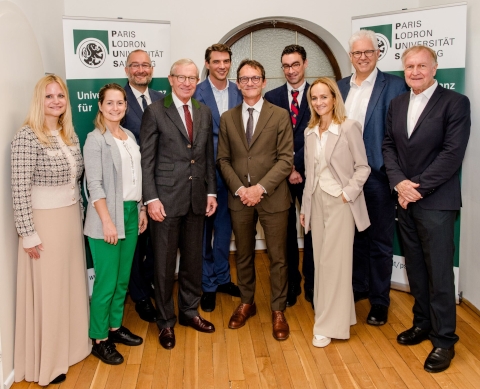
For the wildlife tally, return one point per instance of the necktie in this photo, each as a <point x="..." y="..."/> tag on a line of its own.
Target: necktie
<point x="294" y="108"/>
<point x="188" y="122"/>
<point x="144" y="102"/>
<point x="249" y="132"/>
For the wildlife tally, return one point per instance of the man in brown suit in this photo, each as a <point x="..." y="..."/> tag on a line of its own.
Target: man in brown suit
<point x="255" y="156"/>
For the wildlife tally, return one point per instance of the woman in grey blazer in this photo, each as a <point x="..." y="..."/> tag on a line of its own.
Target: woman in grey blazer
<point x="336" y="168"/>
<point x="114" y="181"/>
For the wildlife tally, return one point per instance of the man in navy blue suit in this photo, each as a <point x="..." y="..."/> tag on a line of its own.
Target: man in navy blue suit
<point x="293" y="97"/>
<point x="219" y="95"/>
<point x="139" y="71"/>
<point x="367" y="95"/>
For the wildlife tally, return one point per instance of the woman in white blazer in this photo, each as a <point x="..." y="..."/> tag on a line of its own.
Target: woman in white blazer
<point x="336" y="168"/>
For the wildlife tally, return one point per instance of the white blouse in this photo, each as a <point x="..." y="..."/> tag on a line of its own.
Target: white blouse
<point x="131" y="169"/>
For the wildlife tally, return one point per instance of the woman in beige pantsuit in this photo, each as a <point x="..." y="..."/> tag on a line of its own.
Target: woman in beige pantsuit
<point x="336" y="168"/>
<point x="51" y="330"/>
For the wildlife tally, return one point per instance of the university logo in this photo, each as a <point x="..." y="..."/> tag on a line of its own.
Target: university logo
<point x="91" y="46"/>
<point x="384" y="37"/>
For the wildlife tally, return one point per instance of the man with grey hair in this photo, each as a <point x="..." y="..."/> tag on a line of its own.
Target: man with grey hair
<point x="179" y="188"/>
<point x="427" y="132"/>
<point x="367" y="94"/>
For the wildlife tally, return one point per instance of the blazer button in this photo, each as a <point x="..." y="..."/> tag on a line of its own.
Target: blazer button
<point x="190" y="178"/>
<point x="192" y="161"/>
<point x="73" y="198"/>
<point x="189" y="146"/>
<point x="245" y="176"/>
<point x="249" y="157"/>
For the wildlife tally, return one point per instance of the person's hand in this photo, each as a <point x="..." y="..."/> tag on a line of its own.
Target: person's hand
<point x="211" y="206"/>
<point x="156" y="211"/>
<point x="344" y="199"/>
<point x="110" y="234"/>
<point x="34" y="252"/>
<point x="251" y="196"/>
<point x="302" y="220"/>
<point x="403" y="202"/>
<point x="407" y="190"/>
<point x="142" y="221"/>
<point x="295" y="178"/>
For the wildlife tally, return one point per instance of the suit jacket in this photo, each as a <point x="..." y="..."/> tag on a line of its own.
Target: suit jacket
<point x="347" y="160"/>
<point x="176" y="172"/>
<point x="103" y="169"/>
<point x="386" y="87"/>
<point x="133" y="116"/>
<point x="434" y="152"/>
<point x="268" y="160"/>
<point x="204" y="94"/>
<point x="279" y="97"/>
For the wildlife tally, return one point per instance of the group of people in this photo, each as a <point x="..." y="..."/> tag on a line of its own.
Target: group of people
<point x="217" y="157"/>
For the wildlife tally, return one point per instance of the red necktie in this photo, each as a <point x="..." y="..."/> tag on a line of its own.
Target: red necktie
<point x="188" y="122"/>
<point x="294" y="108"/>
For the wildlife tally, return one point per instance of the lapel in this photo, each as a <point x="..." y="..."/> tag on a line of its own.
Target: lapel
<point x="265" y="114"/>
<point x="284" y="98"/>
<point x="431" y="103"/>
<point x="197" y="118"/>
<point x="403" y="116"/>
<point x="303" y="106"/>
<point x="238" y="122"/>
<point x="234" y="96"/>
<point x="209" y="98"/>
<point x="376" y="93"/>
<point x="330" y="145"/>
<point x="344" y="86"/>
<point x="172" y="112"/>
<point x="133" y="102"/>
<point x="117" y="159"/>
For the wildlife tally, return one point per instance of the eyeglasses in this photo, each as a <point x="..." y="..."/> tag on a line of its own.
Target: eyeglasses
<point x="294" y="66"/>
<point x="358" y="54"/>
<point x="255" y="79"/>
<point x="182" y="79"/>
<point x="136" y="66"/>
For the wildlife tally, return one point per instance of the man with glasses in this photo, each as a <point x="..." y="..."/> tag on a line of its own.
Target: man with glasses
<point x="179" y="188"/>
<point x="255" y="155"/>
<point x="220" y="95"/>
<point x="139" y="71"/>
<point x="367" y="95"/>
<point x="293" y="97"/>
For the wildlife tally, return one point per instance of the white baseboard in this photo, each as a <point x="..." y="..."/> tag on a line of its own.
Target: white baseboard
<point x="9" y="381"/>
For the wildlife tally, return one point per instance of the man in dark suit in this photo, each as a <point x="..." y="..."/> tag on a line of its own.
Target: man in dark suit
<point x="426" y="137"/>
<point x="292" y="96"/>
<point x="139" y="71"/>
<point x="220" y="95"/>
<point x="255" y="155"/>
<point x="179" y="188"/>
<point x="367" y="94"/>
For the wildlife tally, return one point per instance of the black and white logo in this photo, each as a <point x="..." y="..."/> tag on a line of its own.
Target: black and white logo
<point x="383" y="44"/>
<point x="92" y="52"/>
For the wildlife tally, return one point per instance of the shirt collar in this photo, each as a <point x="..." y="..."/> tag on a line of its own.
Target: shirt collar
<point x="333" y="128"/>
<point x="301" y="88"/>
<point x="178" y="103"/>
<point x="215" y="88"/>
<point x="427" y="92"/>
<point x="370" y="79"/>
<point x="137" y="93"/>
<point x="257" y="107"/>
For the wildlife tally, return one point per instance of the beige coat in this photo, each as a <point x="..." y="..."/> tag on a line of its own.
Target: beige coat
<point x="347" y="160"/>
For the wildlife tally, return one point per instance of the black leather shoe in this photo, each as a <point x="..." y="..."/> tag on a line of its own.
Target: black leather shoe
<point x="59" y="379"/>
<point x="106" y="351"/>
<point x="414" y="335"/>
<point x="229" y="288"/>
<point x="167" y="338"/>
<point x="294" y="290"/>
<point x="146" y="310"/>
<point x="207" y="302"/>
<point x="197" y="323"/>
<point x="358" y="296"/>
<point x="439" y="359"/>
<point x="378" y="315"/>
<point x="124" y="336"/>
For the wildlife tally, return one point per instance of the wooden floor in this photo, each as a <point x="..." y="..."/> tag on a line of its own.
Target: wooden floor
<point x="251" y="358"/>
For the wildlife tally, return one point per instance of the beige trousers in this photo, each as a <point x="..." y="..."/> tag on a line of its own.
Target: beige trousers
<point x="333" y="229"/>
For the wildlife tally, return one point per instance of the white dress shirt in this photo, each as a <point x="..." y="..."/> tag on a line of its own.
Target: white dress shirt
<point x="256" y="113"/>
<point x="221" y="97"/>
<point x="138" y="96"/>
<point x="131" y="169"/>
<point x="301" y="89"/>
<point x="417" y="105"/>
<point x="359" y="96"/>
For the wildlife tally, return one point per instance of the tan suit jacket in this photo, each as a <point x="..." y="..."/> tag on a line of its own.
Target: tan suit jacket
<point x="347" y="160"/>
<point x="268" y="160"/>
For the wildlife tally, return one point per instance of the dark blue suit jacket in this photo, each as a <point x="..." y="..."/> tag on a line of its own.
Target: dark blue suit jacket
<point x="133" y="116"/>
<point x="279" y="97"/>
<point x="204" y="94"/>
<point x="386" y="87"/>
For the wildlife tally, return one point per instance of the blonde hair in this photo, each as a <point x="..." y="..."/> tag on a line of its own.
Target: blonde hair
<point x="180" y="62"/>
<point x="418" y="48"/>
<point x="99" y="119"/>
<point x="339" y="112"/>
<point x="36" y="114"/>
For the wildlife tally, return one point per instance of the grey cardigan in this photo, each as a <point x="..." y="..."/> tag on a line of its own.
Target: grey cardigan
<point x="103" y="169"/>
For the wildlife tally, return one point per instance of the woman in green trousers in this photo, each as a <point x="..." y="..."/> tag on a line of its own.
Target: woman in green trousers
<point x="113" y="221"/>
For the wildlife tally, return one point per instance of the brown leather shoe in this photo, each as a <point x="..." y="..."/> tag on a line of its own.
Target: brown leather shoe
<point x="241" y="314"/>
<point x="198" y="323"/>
<point x="167" y="338"/>
<point x="281" y="330"/>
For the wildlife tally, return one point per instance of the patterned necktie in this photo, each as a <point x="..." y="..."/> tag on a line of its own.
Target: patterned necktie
<point x="294" y="108"/>
<point x="249" y="132"/>
<point x="188" y="122"/>
<point x="144" y="102"/>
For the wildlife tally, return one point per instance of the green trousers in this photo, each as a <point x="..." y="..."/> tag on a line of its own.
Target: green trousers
<point x="112" y="264"/>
